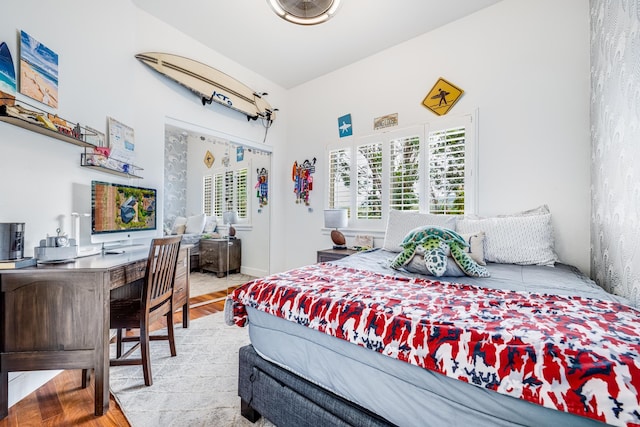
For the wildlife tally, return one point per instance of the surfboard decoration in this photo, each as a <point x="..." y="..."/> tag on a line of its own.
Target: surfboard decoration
<point x="8" y="85"/>
<point x="210" y="84"/>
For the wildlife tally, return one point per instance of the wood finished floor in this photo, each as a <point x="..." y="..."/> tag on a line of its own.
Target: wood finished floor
<point x="62" y="402"/>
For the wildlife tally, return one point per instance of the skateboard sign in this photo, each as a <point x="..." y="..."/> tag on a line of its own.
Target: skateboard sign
<point x="442" y="97"/>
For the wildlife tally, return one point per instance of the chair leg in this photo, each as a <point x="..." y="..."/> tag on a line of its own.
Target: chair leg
<point x="172" y="341"/>
<point x="144" y="352"/>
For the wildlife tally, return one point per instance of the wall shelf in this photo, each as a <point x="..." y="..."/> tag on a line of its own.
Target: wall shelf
<point x="32" y="119"/>
<point x="109" y="165"/>
<point x="35" y="127"/>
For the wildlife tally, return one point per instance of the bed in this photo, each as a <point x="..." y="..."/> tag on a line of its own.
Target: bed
<point x="531" y="345"/>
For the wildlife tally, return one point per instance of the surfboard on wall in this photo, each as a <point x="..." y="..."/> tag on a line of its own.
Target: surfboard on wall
<point x="210" y="84"/>
<point x="7" y="77"/>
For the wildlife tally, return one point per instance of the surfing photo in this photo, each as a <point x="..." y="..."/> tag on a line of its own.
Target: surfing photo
<point x="38" y="71"/>
<point x="7" y="77"/>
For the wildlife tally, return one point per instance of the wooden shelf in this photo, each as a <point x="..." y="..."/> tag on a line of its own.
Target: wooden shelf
<point x="25" y="124"/>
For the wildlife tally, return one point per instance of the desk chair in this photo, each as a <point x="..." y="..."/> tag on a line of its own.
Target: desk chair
<point x="142" y="311"/>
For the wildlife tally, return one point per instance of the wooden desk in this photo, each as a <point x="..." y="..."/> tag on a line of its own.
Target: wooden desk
<point x="57" y="316"/>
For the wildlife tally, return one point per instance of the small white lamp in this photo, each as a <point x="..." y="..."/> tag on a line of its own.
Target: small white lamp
<point x="230" y="217"/>
<point x="336" y="218"/>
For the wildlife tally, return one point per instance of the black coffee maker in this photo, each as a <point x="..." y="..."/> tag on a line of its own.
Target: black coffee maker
<point x="11" y="240"/>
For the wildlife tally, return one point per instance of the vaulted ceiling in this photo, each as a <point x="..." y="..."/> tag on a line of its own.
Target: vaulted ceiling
<point x="251" y="34"/>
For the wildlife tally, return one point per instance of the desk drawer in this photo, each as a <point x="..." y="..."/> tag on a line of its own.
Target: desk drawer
<point x="128" y="273"/>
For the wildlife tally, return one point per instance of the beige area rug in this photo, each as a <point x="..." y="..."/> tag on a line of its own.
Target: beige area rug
<point x="198" y="387"/>
<point x="205" y="283"/>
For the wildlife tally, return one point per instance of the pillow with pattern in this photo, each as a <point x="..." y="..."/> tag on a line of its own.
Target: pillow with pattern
<point x="525" y="239"/>
<point x="476" y="246"/>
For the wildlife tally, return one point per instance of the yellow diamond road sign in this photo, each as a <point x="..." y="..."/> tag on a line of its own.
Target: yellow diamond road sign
<point x="442" y="97"/>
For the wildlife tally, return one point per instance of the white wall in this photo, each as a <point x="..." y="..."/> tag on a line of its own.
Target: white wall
<point x="523" y="65"/>
<point x="99" y="77"/>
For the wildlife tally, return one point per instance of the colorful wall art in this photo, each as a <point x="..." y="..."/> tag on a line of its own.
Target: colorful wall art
<point x="38" y="71"/>
<point x="303" y="180"/>
<point x="7" y="77"/>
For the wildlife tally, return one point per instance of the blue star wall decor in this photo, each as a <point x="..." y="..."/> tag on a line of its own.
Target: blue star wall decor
<point x="344" y="125"/>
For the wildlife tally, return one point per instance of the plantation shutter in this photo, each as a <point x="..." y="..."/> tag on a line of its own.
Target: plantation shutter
<point x="340" y="178"/>
<point x="404" y="173"/>
<point x="369" y="194"/>
<point x="207" y="194"/>
<point x="218" y="195"/>
<point x="241" y="193"/>
<point x="447" y="171"/>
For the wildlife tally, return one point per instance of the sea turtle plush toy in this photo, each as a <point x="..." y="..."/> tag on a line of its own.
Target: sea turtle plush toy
<point x="436" y="243"/>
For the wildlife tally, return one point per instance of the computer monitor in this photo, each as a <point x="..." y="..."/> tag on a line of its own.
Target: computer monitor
<point x="122" y="213"/>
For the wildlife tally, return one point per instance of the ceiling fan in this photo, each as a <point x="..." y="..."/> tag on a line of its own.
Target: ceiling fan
<point x="305" y="12"/>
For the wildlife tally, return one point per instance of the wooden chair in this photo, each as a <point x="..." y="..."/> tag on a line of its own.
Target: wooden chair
<point x="142" y="311"/>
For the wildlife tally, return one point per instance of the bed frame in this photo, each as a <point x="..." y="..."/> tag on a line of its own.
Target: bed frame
<point x="286" y="399"/>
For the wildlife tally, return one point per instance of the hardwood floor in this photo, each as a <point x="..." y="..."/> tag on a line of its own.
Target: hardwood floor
<point x="62" y="402"/>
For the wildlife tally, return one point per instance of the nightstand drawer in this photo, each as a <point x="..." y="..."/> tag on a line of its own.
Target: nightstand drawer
<point x="326" y="255"/>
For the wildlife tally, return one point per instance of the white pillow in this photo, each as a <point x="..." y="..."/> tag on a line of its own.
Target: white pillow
<point x="179" y="224"/>
<point x="402" y="222"/>
<point x="210" y="224"/>
<point x="524" y="239"/>
<point x="195" y="224"/>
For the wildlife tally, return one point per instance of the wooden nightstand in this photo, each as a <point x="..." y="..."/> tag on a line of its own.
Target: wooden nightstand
<point x="213" y="255"/>
<point x="334" y="254"/>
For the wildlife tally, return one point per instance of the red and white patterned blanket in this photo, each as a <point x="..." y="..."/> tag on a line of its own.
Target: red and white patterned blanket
<point x="572" y="354"/>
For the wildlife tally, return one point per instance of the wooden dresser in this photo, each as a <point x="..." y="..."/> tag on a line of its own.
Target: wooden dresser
<point x="213" y="256"/>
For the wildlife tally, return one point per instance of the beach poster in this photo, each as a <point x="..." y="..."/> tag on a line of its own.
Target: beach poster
<point x="7" y="77"/>
<point x="38" y="71"/>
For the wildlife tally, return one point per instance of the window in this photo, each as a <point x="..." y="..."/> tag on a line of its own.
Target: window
<point x="226" y="190"/>
<point x="404" y="174"/>
<point x="446" y="170"/>
<point x="207" y="194"/>
<point x="339" y="178"/>
<point x="369" y="198"/>
<point x="428" y="168"/>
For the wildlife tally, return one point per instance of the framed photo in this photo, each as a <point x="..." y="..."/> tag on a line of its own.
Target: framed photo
<point x="38" y="71"/>
<point x="121" y="141"/>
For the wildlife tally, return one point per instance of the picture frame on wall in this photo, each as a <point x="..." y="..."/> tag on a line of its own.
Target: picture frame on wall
<point x="38" y="71"/>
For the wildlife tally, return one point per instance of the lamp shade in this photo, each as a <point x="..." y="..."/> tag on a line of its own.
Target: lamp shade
<point x="230" y="217"/>
<point x="335" y="218"/>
